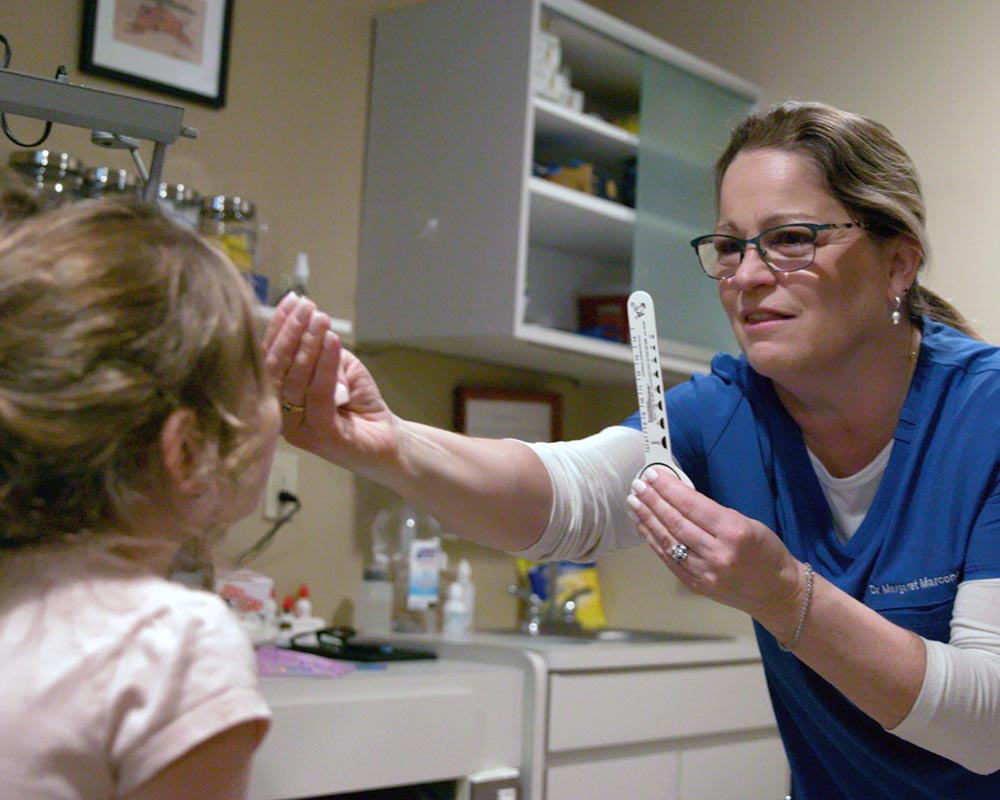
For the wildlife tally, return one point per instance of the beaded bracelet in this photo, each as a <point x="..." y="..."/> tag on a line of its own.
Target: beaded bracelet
<point x="805" y="608"/>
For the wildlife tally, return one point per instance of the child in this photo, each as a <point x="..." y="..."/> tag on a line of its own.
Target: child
<point x="135" y="413"/>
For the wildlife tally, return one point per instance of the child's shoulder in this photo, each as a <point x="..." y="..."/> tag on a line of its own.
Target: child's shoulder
<point x="154" y="601"/>
<point x="103" y="604"/>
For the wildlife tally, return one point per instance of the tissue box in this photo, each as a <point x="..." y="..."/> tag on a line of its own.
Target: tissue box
<point x="246" y="591"/>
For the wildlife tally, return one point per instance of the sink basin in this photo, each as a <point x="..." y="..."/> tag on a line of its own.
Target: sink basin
<point x="636" y="635"/>
<point x="607" y="636"/>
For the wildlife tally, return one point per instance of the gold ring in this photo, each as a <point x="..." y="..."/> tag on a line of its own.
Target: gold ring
<point x="291" y="408"/>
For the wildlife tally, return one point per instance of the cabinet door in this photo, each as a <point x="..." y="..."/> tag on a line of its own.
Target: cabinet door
<point x="443" y="211"/>
<point x="686" y="121"/>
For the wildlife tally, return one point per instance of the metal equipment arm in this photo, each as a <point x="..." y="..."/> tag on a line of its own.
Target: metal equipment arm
<point x="59" y="101"/>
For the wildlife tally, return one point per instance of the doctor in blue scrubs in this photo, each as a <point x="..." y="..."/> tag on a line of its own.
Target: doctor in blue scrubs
<point x="846" y="465"/>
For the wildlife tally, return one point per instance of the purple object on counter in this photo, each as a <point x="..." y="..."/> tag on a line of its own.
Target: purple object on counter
<point x="277" y="661"/>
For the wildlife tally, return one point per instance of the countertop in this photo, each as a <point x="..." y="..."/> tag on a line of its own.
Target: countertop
<point x="594" y="655"/>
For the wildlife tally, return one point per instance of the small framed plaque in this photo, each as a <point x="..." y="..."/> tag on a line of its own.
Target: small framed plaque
<point x="508" y="414"/>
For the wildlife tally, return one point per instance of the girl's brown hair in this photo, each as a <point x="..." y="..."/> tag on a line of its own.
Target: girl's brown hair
<point x="111" y="317"/>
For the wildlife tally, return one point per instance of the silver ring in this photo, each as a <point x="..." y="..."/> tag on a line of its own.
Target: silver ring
<point x="679" y="552"/>
<point x="291" y="408"/>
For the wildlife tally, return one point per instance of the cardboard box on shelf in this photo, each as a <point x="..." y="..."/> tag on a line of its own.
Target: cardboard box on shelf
<point x="604" y="316"/>
<point x="584" y="178"/>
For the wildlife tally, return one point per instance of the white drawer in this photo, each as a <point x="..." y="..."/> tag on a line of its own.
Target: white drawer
<point x="648" y="776"/>
<point x="610" y="708"/>
<point x="754" y="769"/>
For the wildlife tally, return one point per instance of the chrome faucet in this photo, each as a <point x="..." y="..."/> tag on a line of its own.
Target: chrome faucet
<point x="549" y="615"/>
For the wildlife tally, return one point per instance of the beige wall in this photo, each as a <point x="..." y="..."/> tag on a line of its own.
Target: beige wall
<point x="291" y="138"/>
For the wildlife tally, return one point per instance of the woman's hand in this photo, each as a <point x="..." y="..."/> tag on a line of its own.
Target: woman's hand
<point x="729" y="558"/>
<point x="490" y="491"/>
<point x="307" y="362"/>
<point x="741" y="563"/>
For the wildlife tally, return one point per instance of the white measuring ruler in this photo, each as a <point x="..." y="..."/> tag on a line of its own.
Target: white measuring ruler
<point x="649" y="385"/>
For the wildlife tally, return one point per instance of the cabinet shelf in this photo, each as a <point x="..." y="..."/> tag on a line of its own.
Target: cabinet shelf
<point x="590" y="137"/>
<point x="582" y="355"/>
<point x="569" y="220"/>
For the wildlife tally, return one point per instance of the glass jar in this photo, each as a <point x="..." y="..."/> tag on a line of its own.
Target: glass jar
<point x="55" y="177"/>
<point x="232" y="223"/>
<point x="107" y="182"/>
<point x="182" y="202"/>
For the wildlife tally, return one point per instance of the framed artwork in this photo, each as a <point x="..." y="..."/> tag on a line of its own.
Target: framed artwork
<point x="178" y="47"/>
<point x="505" y="413"/>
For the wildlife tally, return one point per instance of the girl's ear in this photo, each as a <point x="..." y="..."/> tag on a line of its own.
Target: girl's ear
<point x="183" y="452"/>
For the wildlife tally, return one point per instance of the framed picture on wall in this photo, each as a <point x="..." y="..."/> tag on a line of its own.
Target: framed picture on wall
<point x="504" y="413"/>
<point x="178" y="47"/>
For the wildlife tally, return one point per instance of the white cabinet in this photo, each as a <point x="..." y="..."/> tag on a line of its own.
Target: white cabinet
<point x="403" y="724"/>
<point x="464" y="250"/>
<point x="671" y="721"/>
<point x="693" y="733"/>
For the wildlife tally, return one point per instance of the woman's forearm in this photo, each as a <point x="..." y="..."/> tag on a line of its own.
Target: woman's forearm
<point x="490" y="491"/>
<point x="876" y="664"/>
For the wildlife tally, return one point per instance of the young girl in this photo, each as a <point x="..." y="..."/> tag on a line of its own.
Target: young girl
<point x="135" y="414"/>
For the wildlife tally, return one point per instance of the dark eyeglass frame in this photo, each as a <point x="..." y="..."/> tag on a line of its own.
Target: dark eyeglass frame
<point x="815" y="227"/>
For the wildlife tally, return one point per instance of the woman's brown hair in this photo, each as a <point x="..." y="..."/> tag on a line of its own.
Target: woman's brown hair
<point x="866" y="170"/>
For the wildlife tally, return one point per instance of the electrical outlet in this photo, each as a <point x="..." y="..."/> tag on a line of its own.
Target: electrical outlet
<point x="284" y="477"/>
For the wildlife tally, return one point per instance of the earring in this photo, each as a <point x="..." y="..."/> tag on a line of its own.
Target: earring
<point x="897" y="315"/>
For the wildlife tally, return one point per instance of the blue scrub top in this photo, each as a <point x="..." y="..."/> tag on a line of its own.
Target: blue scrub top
<point x="934" y="522"/>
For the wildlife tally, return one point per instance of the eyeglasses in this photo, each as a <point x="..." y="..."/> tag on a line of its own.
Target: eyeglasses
<point x="785" y="248"/>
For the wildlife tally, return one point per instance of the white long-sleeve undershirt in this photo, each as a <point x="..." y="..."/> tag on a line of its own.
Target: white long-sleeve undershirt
<point x="956" y="714"/>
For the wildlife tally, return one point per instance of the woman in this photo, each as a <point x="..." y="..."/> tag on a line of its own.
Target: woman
<point x="135" y="413"/>
<point x="846" y="465"/>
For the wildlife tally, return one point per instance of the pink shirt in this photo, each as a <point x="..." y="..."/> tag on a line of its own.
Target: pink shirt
<point x="106" y="676"/>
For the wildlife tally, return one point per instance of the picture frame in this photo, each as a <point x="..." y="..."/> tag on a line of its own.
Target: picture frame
<point x="176" y="47"/>
<point x="508" y="413"/>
